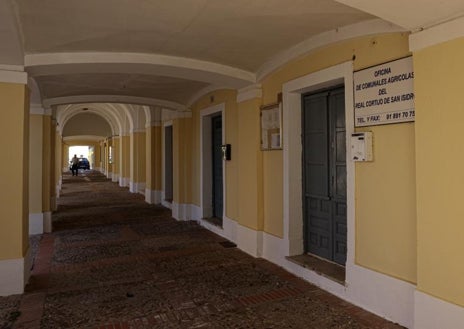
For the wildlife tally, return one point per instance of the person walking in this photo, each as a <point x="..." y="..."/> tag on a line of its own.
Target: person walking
<point x="74" y="164"/>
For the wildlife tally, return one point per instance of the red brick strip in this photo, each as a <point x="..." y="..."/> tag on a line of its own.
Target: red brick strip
<point x="32" y="305"/>
<point x="269" y="296"/>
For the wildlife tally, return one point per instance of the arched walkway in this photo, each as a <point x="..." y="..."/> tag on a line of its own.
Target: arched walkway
<point x="114" y="261"/>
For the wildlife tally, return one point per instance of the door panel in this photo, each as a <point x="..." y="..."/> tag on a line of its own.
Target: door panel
<point x="218" y="199"/>
<point x="168" y="164"/>
<point x="324" y="172"/>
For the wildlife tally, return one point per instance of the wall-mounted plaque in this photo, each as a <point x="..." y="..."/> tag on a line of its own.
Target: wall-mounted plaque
<point x="271" y="127"/>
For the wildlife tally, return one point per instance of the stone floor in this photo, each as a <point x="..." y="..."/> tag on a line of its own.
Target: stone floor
<point x="114" y="261"/>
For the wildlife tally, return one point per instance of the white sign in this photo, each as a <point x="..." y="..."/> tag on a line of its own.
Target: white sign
<point x="384" y="94"/>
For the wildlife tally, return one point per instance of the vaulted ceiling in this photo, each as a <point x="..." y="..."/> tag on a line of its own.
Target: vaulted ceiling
<point x="171" y="51"/>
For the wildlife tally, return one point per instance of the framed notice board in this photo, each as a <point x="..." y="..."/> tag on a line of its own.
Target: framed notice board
<point x="271" y="127"/>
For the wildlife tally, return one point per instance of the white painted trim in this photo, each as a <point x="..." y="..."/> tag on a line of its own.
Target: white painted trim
<point x="109" y="175"/>
<point x="143" y="63"/>
<point x="6" y="67"/>
<point x="124" y="99"/>
<point x="166" y="204"/>
<point x="292" y="149"/>
<point x="249" y="92"/>
<point x="181" y="211"/>
<point x="124" y="181"/>
<point x="36" y="109"/>
<point x="14" y="274"/>
<point x="36" y="223"/>
<point x="378" y="293"/>
<point x="205" y="159"/>
<point x="250" y="241"/>
<point x="437" y="34"/>
<point x="169" y="115"/>
<point x="13" y="77"/>
<point x="432" y="313"/>
<point x="228" y="229"/>
<point x="153" y="196"/>
<point x="371" y="27"/>
<point x="195" y="211"/>
<point x="115" y="177"/>
<point x="47" y="222"/>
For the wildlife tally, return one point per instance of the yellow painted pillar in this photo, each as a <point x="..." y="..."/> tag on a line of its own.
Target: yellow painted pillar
<point x="125" y="160"/>
<point x="153" y="165"/>
<point x="47" y="172"/>
<point x="97" y="157"/>
<point x="115" y="159"/>
<point x="36" y="215"/>
<point x="182" y="173"/>
<point x="14" y="194"/>
<point x="58" y="162"/>
<point x="137" y="162"/>
<point x="108" y="157"/>
<point x="250" y="185"/>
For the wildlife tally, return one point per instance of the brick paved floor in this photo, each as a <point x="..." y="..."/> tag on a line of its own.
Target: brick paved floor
<point x="114" y="261"/>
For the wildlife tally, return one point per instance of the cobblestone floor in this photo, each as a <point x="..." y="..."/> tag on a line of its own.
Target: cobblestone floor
<point x="114" y="261"/>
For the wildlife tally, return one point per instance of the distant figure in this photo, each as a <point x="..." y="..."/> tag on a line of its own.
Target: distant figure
<point x="74" y="164"/>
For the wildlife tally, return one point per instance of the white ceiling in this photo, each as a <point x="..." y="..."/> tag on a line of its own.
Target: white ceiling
<point x="171" y="50"/>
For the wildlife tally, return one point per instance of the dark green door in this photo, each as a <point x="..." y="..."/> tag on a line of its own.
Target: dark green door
<point x="324" y="174"/>
<point x="216" y="124"/>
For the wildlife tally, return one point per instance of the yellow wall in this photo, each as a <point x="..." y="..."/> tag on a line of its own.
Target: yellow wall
<point x="439" y="74"/>
<point x="14" y="194"/>
<point x="182" y="169"/>
<point x="250" y="165"/>
<point x="35" y="163"/>
<point x="228" y="97"/>
<point x="153" y="158"/>
<point x="116" y="155"/>
<point x="125" y="140"/>
<point x="46" y="163"/>
<point x="385" y="212"/>
<point x="138" y="160"/>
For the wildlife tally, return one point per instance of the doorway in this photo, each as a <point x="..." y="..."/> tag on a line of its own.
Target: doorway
<point x="217" y="188"/>
<point x="324" y="174"/>
<point x="168" y="165"/>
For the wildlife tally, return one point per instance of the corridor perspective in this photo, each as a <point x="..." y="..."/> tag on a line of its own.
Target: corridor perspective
<point x="322" y="139"/>
<point x="114" y="261"/>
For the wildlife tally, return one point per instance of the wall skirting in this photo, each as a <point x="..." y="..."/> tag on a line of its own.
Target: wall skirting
<point x="152" y="196"/>
<point x="137" y="187"/>
<point x="124" y="181"/>
<point x="115" y="177"/>
<point x="250" y="241"/>
<point x="431" y="313"/>
<point x="14" y="274"/>
<point x="36" y="223"/>
<point x="181" y="211"/>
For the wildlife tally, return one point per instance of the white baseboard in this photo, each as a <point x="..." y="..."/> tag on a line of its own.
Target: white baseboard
<point x="228" y="229"/>
<point x="181" y="211"/>
<point x="109" y="175"/>
<point x="432" y="313"/>
<point x="250" y="241"/>
<point x="36" y="223"/>
<point x="47" y="222"/>
<point x="152" y="196"/>
<point x="14" y="274"/>
<point x="196" y="213"/>
<point x="124" y="181"/>
<point x="137" y="187"/>
<point x="115" y="177"/>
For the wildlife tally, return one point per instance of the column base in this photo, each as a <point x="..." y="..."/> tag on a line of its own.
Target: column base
<point x="14" y="274"/>
<point x="36" y="223"/>
<point x="153" y="196"/>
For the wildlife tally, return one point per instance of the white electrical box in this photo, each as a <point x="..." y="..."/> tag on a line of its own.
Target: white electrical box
<point x="361" y="146"/>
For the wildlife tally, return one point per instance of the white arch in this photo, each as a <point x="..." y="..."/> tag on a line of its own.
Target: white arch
<point x="142" y="63"/>
<point x="112" y="99"/>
